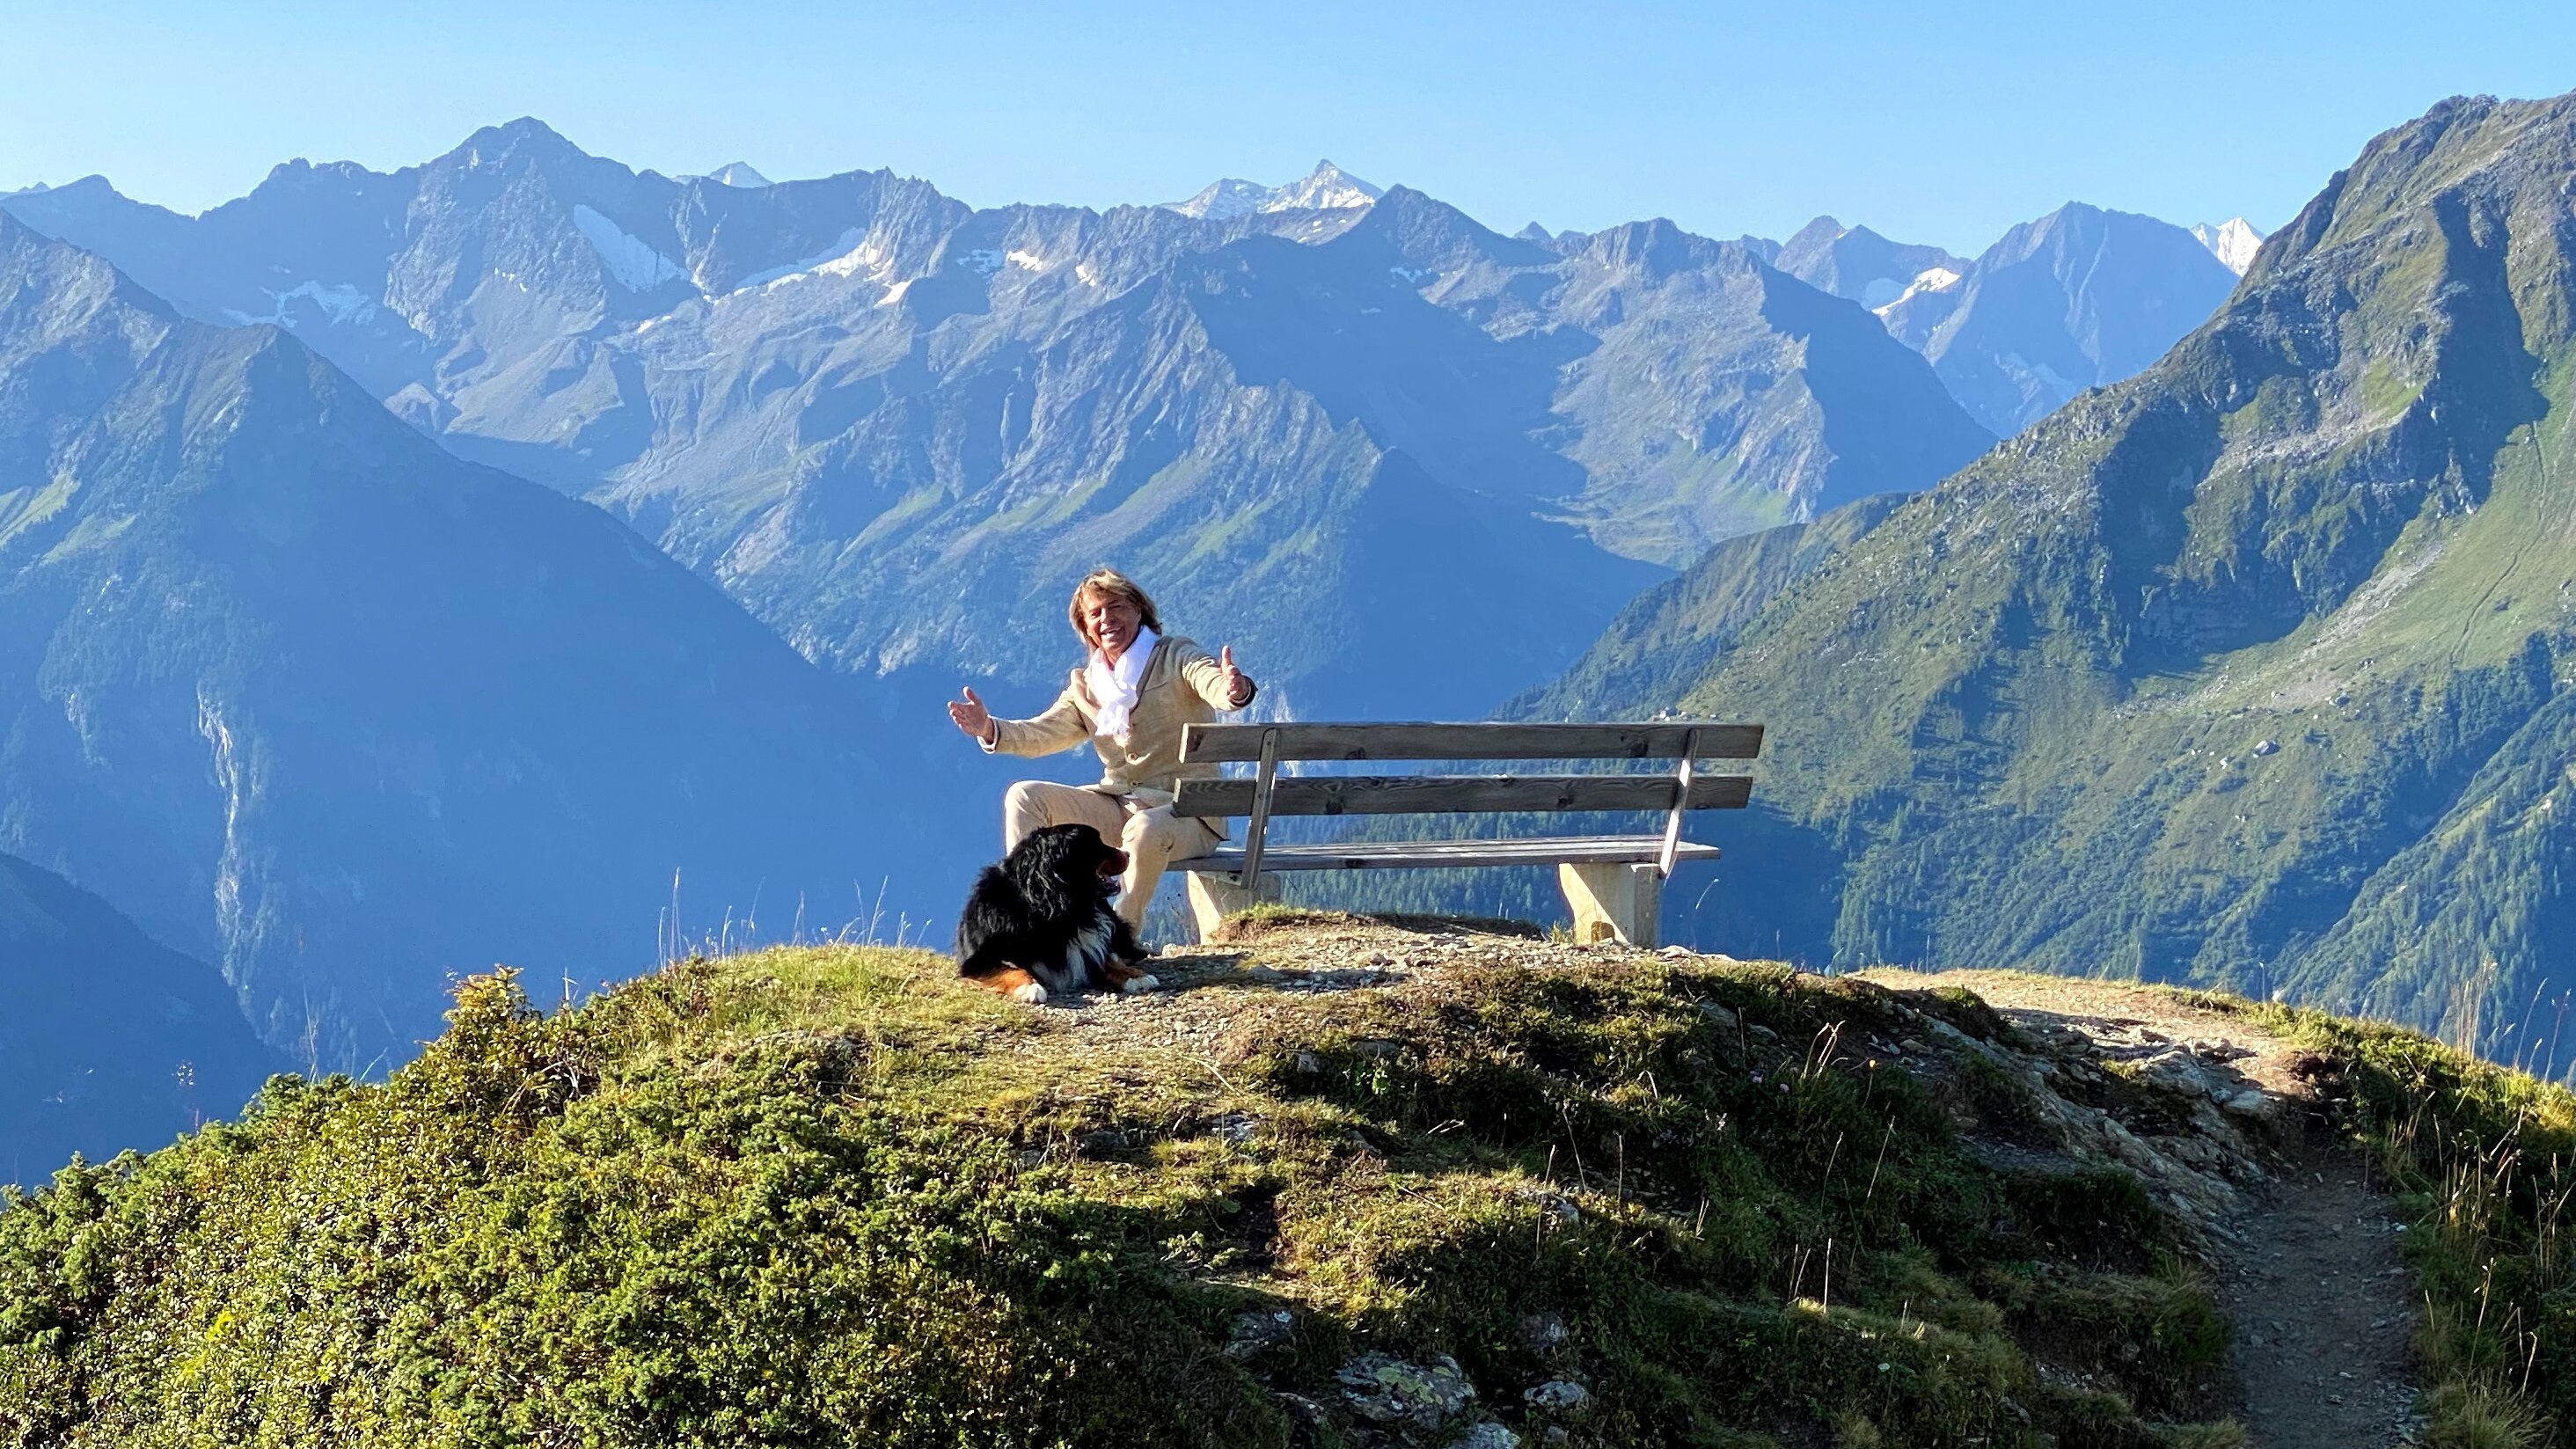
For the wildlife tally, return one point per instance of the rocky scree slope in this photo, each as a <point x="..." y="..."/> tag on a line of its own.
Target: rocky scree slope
<point x="2242" y="672"/>
<point x="309" y="698"/>
<point x="1347" y="1183"/>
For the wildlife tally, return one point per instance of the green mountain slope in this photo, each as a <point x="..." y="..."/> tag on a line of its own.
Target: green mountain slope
<point x="108" y="1040"/>
<point x="2248" y="670"/>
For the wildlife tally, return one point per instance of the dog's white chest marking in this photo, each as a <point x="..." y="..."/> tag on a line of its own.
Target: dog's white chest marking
<point x="1088" y="952"/>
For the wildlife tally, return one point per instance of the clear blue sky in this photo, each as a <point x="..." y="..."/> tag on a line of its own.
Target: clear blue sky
<point x="1940" y="123"/>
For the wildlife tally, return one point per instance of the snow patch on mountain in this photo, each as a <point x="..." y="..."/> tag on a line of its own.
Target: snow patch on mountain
<point x="2233" y="241"/>
<point x="1930" y="279"/>
<point x="840" y="250"/>
<point x="1326" y="187"/>
<point x="630" y="259"/>
<point x="868" y="259"/>
<point x="339" y="303"/>
<point x="1223" y="200"/>
<point x="738" y="173"/>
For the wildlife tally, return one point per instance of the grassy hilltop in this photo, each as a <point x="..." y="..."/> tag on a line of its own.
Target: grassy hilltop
<point x="1351" y="1186"/>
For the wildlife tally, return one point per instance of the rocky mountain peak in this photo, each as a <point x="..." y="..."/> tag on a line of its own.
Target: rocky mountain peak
<point x="1326" y="187"/>
<point x="2233" y="241"/>
<point x="526" y="138"/>
<point x="1858" y="263"/>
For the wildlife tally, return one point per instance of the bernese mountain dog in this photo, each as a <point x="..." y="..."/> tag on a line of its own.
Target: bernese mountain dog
<point x="1041" y="921"/>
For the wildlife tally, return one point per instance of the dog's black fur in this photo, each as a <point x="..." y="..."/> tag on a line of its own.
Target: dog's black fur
<point x="1041" y="922"/>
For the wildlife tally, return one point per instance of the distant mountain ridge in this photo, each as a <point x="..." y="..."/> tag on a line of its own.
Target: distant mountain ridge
<point x="1855" y="262"/>
<point x="821" y="394"/>
<point x="2080" y="298"/>
<point x="1327" y="187"/>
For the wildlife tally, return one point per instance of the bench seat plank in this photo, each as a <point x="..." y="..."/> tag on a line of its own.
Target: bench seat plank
<point x="1428" y="854"/>
<point x="1436" y="794"/>
<point x="1660" y="740"/>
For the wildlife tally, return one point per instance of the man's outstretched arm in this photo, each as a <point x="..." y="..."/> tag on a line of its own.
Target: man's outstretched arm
<point x="1061" y="727"/>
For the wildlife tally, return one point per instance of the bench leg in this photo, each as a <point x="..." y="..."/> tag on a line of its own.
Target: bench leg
<point x="1213" y="897"/>
<point x="1612" y="902"/>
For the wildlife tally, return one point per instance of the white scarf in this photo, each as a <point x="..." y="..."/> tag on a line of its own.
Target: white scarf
<point x="1114" y="687"/>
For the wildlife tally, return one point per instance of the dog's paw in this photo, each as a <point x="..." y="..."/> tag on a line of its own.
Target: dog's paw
<point x="1139" y="984"/>
<point x="1033" y="993"/>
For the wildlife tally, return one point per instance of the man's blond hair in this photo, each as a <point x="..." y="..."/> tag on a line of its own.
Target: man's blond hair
<point x="1113" y="584"/>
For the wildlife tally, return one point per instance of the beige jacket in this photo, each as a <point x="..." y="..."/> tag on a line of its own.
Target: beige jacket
<point x="1182" y="686"/>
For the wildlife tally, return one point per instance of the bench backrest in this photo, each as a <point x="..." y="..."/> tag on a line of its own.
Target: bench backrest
<point x="1657" y="740"/>
<point x="1265" y="795"/>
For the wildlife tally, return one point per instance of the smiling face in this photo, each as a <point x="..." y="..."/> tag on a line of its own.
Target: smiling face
<point x="1110" y="621"/>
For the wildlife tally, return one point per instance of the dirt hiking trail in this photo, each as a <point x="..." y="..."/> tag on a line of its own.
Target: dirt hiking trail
<point x="2310" y="1269"/>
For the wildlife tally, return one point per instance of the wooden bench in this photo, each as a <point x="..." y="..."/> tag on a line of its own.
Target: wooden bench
<point x="1614" y="883"/>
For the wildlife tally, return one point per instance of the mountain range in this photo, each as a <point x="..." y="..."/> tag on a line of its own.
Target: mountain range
<point x="2248" y="671"/>
<point x="822" y="394"/>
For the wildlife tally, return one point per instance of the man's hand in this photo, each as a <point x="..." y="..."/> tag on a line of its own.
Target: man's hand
<point x="972" y="717"/>
<point x="1238" y="685"/>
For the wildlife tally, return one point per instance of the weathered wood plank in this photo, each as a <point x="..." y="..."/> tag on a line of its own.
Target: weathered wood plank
<point x="1425" y="854"/>
<point x="1448" y="794"/>
<point x="1654" y="740"/>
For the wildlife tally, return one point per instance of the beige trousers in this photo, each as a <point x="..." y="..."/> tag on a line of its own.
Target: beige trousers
<point x="1153" y="838"/>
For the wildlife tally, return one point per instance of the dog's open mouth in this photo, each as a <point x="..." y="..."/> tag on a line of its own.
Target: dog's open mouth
<point x="1112" y="867"/>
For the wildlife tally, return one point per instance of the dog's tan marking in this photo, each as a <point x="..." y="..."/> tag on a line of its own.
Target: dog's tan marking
<point x="1127" y="980"/>
<point x="1014" y="983"/>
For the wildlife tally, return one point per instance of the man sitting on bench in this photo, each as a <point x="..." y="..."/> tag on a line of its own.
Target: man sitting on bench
<point x="1130" y="698"/>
